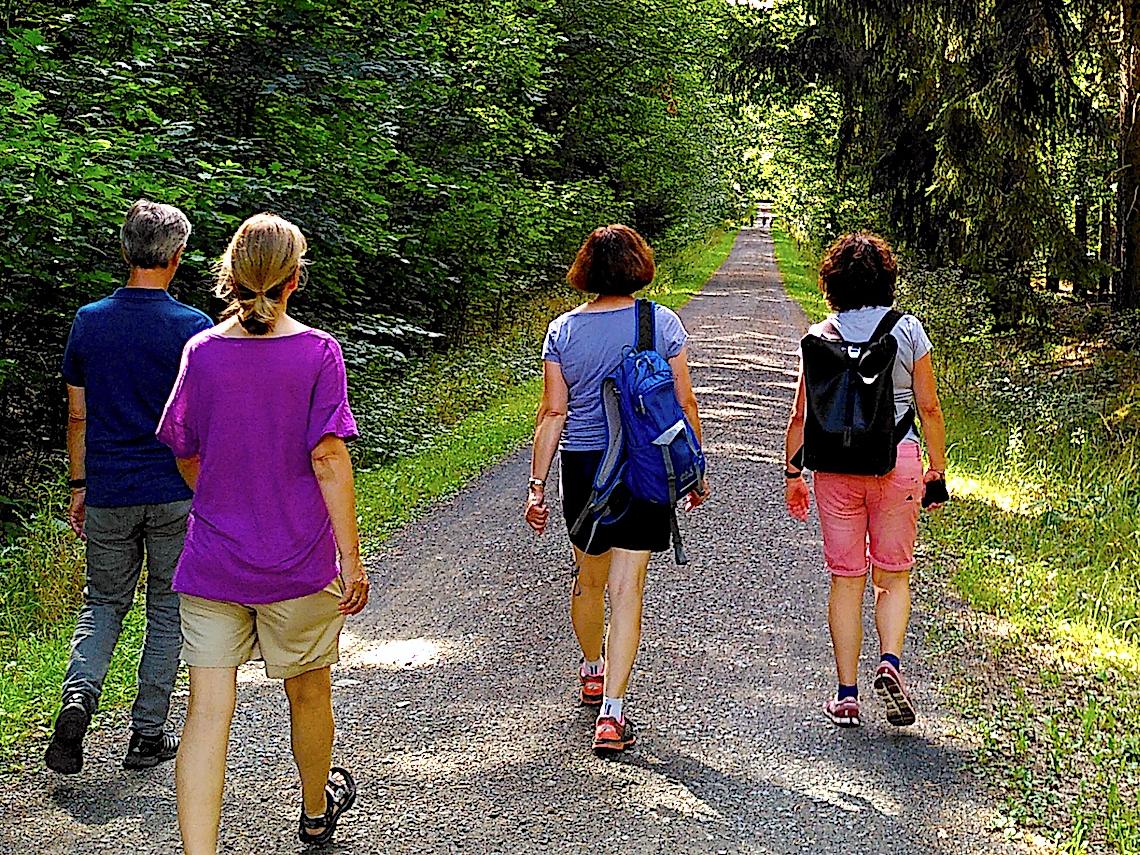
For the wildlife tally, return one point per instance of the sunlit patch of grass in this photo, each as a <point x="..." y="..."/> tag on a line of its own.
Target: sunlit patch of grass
<point x="1004" y="497"/>
<point x="800" y="275"/>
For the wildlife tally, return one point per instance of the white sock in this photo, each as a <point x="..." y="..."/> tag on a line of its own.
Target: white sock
<point x="593" y="669"/>
<point x="611" y="708"/>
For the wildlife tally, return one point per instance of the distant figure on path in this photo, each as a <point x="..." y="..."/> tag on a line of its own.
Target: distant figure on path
<point x="258" y="421"/>
<point x="865" y="373"/>
<point x="127" y="498"/>
<point x="582" y="348"/>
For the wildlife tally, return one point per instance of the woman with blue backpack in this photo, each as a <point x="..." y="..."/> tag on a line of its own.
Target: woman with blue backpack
<point x="618" y="408"/>
<point x="865" y="375"/>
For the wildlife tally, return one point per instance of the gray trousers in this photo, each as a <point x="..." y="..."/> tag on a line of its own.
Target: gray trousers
<point x="117" y="538"/>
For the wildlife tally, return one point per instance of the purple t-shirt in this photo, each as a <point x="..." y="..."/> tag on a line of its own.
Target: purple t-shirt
<point x="589" y="346"/>
<point x="253" y="409"/>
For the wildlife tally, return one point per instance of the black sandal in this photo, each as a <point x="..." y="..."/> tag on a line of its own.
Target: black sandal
<point x="340" y="795"/>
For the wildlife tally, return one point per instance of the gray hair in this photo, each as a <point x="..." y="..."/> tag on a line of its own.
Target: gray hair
<point x="153" y="233"/>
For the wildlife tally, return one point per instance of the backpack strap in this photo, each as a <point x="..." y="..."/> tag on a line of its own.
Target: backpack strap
<point x="646" y="325"/>
<point x="886" y="325"/>
<point x="889" y="322"/>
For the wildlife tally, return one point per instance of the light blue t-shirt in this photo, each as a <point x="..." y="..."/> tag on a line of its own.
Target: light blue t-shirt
<point x="860" y="324"/>
<point x="589" y="345"/>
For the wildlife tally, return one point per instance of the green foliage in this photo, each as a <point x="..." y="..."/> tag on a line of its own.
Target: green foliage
<point x="973" y="133"/>
<point x="445" y="160"/>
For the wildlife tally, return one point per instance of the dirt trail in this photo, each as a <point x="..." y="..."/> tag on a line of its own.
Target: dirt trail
<point x="455" y="702"/>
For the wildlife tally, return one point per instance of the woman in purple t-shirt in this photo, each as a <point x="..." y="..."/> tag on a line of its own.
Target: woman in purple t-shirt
<point x="582" y="348"/>
<point x="258" y="420"/>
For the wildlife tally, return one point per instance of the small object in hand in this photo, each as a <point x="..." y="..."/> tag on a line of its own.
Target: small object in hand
<point x="935" y="493"/>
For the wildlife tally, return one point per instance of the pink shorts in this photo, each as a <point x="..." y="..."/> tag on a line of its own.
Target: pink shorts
<point x="869" y="520"/>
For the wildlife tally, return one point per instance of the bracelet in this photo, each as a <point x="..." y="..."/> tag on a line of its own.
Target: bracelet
<point x="792" y="476"/>
<point x="77" y="483"/>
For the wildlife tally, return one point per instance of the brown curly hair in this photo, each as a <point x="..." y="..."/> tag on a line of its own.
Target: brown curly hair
<point x="613" y="261"/>
<point x="858" y="270"/>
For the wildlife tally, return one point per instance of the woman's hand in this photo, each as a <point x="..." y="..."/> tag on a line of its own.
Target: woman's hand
<point x="355" y="585"/>
<point x="697" y="497"/>
<point x="930" y="477"/>
<point x="537" y="514"/>
<point x="77" y="512"/>
<point x="798" y="498"/>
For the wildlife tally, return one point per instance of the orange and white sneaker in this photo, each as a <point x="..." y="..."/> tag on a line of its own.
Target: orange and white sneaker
<point x="590" y="687"/>
<point x="612" y="736"/>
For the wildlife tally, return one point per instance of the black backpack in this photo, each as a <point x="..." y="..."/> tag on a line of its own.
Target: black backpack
<point x="850" y="423"/>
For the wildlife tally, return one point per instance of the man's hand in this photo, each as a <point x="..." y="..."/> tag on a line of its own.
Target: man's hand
<point x="798" y="498"/>
<point x="77" y="513"/>
<point x="355" y="585"/>
<point x="537" y="515"/>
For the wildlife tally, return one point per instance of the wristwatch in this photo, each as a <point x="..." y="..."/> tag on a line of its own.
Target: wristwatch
<point x="792" y="476"/>
<point x="536" y="482"/>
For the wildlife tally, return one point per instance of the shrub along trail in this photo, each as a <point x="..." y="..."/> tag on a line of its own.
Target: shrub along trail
<point x="456" y="698"/>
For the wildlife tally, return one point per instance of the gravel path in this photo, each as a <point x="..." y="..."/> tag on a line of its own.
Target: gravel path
<point x="455" y="702"/>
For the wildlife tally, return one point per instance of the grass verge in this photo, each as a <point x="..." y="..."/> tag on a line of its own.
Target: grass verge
<point x="468" y="439"/>
<point x="1041" y="539"/>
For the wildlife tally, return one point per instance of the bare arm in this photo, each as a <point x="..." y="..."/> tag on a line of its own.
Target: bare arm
<point x="683" y="388"/>
<point x="333" y="468"/>
<point x="77" y="456"/>
<point x="797" y="497"/>
<point x="188" y="468"/>
<point x="549" y="424"/>
<point x="930" y="413"/>
<point x="794" y="437"/>
<point x="683" y="384"/>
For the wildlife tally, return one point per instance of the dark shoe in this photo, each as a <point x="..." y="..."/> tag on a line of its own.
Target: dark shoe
<point x="889" y="686"/>
<point x="612" y="737"/>
<point x="146" y="752"/>
<point x="340" y="795"/>
<point x="65" y="753"/>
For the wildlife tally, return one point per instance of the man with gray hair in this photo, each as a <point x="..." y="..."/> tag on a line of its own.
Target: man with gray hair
<point x="127" y="497"/>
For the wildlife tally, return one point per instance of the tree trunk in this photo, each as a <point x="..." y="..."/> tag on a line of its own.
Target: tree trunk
<point x="1128" y="194"/>
<point x="1081" y="233"/>
<point x="1107" y="243"/>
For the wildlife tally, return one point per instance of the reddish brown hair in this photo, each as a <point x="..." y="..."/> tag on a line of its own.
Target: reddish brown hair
<point x="858" y="270"/>
<point x="614" y="260"/>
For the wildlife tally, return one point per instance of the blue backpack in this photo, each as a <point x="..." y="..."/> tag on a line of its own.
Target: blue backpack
<point x="652" y="450"/>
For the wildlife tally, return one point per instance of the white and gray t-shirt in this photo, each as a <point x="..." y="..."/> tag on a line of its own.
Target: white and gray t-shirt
<point x="860" y="324"/>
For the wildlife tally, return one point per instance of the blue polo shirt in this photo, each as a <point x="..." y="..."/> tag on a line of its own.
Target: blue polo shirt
<point x="125" y="351"/>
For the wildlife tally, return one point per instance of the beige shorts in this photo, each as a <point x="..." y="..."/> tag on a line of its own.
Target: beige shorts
<point x="292" y="636"/>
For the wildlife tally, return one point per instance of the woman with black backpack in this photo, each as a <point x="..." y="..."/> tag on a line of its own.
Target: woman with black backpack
<point x="583" y="348"/>
<point x="866" y="373"/>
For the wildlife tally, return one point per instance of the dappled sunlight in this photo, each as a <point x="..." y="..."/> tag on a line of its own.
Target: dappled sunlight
<point x="1079" y="645"/>
<point x="393" y="654"/>
<point x="743" y="451"/>
<point x="1008" y="497"/>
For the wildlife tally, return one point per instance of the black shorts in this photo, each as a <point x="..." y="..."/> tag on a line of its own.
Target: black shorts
<point x="644" y="527"/>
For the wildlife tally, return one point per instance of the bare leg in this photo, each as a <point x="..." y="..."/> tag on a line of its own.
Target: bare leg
<point x="588" y="602"/>
<point x="627" y="587"/>
<point x="311" y="716"/>
<point x="200" y="772"/>
<point x="845" y="616"/>
<point x="892" y="609"/>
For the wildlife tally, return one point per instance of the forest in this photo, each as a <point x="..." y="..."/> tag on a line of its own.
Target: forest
<point x="446" y="161"/>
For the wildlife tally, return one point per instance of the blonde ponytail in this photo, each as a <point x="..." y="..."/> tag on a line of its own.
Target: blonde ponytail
<point x="262" y="259"/>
